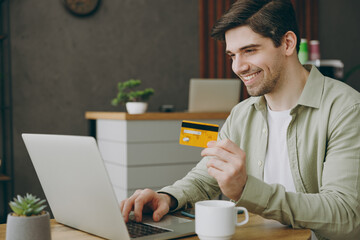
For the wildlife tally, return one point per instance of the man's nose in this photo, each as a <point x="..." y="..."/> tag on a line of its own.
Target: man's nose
<point x="239" y="65"/>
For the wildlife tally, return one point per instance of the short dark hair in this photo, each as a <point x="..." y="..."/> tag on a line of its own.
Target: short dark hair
<point x="269" y="18"/>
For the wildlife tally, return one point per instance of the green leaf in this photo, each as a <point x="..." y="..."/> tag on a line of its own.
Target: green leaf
<point x="20" y="199"/>
<point x="114" y="102"/>
<point x="16" y="208"/>
<point x="127" y="94"/>
<point x="39" y="210"/>
<point x="39" y="204"/>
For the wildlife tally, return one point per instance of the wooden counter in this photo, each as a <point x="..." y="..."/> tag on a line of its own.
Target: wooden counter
<point x="256" y="228"/>
<point x="155" y="115"/>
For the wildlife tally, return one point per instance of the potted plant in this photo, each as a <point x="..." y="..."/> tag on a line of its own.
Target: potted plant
<point x="135" y="101"/>
<point x="29" y="220"/>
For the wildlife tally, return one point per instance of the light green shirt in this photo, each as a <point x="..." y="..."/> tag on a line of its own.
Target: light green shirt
<point x="323" y="141"/>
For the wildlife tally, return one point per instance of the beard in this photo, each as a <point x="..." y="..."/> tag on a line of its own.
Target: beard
<point x="264" y="88"/>
<point x="265" y="85"/>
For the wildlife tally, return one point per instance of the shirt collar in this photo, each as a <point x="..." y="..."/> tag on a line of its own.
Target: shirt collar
<point x="310" y="96"/>
<point x="313" y="90"/>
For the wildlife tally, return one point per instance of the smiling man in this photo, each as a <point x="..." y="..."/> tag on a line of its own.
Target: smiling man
<point x="291" y="152"/>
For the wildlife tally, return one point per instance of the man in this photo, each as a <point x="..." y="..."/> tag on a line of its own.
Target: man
<point x="291" y="152"/>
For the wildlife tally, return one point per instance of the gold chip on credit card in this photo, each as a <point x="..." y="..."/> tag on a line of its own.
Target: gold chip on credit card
<point x="198" y="134"/>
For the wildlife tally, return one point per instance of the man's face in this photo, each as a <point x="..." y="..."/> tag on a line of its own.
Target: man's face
<point x="255" y="60"/>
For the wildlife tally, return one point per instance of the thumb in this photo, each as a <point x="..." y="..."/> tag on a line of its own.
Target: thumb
<point x="162" y="209"/>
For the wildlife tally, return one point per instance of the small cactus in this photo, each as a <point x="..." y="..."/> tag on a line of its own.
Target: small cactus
<point x="28" y="205"/>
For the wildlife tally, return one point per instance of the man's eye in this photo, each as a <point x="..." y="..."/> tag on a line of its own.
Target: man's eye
<point x="249" y="50"/>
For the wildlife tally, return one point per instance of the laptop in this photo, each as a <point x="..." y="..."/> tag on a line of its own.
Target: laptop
<point x="79" y="192"/>
<point x="213" y="95"/>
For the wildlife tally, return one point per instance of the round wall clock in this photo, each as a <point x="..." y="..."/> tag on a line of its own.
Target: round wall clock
<point x="81" y="7"/>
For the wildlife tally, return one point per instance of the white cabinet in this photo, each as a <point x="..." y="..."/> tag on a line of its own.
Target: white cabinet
<point x="145" y="153"/>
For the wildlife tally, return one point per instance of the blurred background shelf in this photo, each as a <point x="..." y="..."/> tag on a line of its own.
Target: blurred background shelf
<point x="4" y="178"/>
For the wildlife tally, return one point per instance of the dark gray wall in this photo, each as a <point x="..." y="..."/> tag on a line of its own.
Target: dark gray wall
<point x="63" y="66"/>
<point x="339" y="34"/>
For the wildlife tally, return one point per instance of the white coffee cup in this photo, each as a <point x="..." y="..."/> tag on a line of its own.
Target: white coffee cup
<point x="216" y="219"/>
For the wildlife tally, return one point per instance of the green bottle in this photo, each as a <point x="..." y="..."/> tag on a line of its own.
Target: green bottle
<point x="303" y="51"/>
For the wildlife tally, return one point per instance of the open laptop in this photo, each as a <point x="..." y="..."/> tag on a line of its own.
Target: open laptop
<point x="79" y="192"/>
<point x="213" y="95"/>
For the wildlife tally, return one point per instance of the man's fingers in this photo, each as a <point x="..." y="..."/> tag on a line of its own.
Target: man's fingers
<point x="122" y="203"/>
<point x="225" y="144"/>
<point x="162" y="209"/>
<point x="128" y="205"/>
<point x="211" y="144"/>
<point x="146" y="196"/>
<point x="215" y="173"/>
<point x="144" y="200"/>
<point x="225" y="150"/>
<point x="217" y="163"/>
<point x="229" y="146"/>
<point x="220" y="153"/>
<point x="126" y="210"/>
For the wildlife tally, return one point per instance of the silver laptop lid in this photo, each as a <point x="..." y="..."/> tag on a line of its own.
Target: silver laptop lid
<point x="213" y="95"/>
<point x="76" y="183"/>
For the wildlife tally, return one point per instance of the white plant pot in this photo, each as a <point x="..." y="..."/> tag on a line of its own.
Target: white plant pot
<point x="136" y="107"/>
<point x="34" y="227"/>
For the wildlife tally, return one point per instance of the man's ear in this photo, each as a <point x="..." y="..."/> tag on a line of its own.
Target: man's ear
<point x="289" y="43"/>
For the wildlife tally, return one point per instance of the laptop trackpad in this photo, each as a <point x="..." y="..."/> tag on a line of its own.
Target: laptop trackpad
<point x="166" y="222"/>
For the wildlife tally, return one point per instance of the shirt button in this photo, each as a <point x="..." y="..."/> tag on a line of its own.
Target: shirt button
<point x="260" y="163"/>
<point x="264" y="130"/>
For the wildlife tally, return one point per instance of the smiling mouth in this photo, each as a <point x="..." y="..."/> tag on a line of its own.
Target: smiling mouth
<point x="250" y="77"/>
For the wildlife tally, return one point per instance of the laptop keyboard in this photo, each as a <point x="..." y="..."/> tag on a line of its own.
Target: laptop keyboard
<point x="137" y="229"/>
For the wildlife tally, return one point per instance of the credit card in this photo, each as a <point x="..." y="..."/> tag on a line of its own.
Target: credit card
<point x="198" y="134"/>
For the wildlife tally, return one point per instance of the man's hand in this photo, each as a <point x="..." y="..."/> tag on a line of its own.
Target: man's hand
<point x="227" y="164"/>
<point x="146" y="201"/>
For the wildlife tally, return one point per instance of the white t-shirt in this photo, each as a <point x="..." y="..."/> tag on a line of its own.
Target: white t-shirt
<point x="277" y="166"/>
